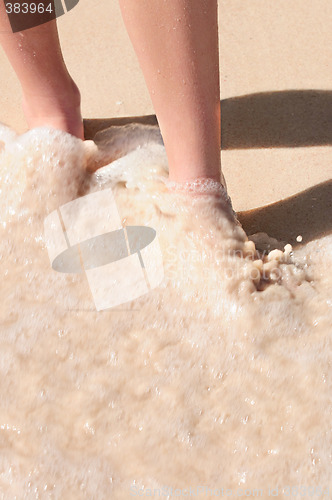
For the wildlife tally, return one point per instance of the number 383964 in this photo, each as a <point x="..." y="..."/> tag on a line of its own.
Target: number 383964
<point x="28" y="8"/>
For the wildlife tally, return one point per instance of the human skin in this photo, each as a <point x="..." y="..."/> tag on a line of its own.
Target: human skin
<point x="176" y="42"/>
<point x="49" y="94"/>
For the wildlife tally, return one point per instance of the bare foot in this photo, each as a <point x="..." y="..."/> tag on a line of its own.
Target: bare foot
<point x="57" y="109"/>
<point x="209" y="187"/>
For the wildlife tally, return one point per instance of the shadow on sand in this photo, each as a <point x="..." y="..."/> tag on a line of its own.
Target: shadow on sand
<point x="296" y="118"/>
<point x="308" y="213"/>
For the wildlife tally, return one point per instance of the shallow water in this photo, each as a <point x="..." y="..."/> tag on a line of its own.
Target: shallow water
<point x="216" y="383"/>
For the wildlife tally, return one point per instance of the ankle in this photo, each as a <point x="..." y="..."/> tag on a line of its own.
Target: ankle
<point x="58" y="96"/>
<point x="57" y="108"/>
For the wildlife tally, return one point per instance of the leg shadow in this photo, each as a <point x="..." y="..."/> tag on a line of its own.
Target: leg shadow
<point x="308" y="214"/>
<point x="94" y="125"/>
<point x="296" y="118"/>
<point x="293" y="118"/>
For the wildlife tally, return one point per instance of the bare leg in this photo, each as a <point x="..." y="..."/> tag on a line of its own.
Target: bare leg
<point x="176" y="42"/>
<point x="50" y="96"/>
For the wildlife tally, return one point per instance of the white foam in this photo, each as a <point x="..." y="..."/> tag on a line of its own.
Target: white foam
<point x="219" y="377"/>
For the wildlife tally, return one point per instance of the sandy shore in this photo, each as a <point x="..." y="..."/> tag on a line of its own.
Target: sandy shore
<point x="276" y="92"/>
